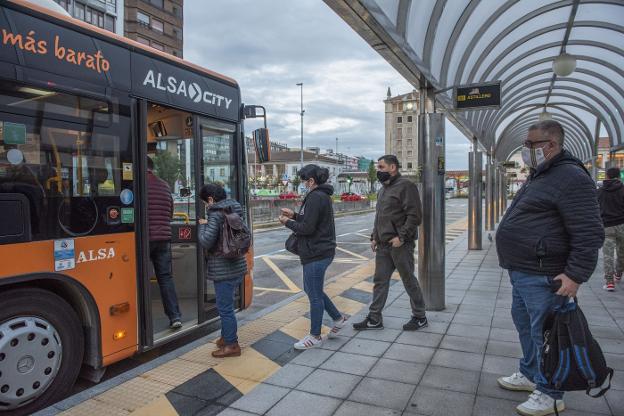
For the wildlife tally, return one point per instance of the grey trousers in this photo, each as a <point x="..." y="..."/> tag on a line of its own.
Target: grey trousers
<point x="387" y="259"/>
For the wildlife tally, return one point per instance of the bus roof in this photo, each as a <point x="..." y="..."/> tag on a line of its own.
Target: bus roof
<point x="121" y="39"/>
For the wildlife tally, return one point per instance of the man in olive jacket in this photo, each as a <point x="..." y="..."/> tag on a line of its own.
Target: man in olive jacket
<point x="399" y="213"/>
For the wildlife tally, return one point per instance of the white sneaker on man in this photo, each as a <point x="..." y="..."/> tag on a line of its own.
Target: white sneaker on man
<point x="308" y="342"/>
<point x="539" y="404"/>
<point x="516" y="382"/>
<point x="338" y="325"/>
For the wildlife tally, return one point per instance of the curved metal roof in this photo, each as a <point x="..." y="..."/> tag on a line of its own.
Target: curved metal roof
<point x="443" y="43"/>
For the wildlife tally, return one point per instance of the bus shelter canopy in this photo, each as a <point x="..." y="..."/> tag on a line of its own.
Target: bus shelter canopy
<point x="445" y="43"/>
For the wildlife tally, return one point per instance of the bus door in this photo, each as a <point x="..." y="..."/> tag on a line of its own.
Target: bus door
<point x="171" y="255"/>
<point x="218" y="164"/>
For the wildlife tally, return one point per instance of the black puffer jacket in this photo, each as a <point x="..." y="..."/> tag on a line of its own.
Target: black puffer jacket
<point x="611" y="198"/>
<point x="314" y="225"/>
<point x="219" y="268"/>
<point x="553" y="225"/>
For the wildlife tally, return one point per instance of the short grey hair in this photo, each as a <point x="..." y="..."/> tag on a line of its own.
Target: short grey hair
<point x="553" y="129"/>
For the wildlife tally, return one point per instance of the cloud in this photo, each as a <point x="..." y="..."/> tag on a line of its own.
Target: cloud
<point x="270" y="46"/>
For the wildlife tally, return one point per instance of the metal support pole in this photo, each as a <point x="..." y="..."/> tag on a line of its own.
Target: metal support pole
<point x="495" y="192"/>
<point x="501" y="194"/>
<point x="302" y="112"/>
<point x="489" y="201"/>
<point x="431" y="244"/>
<point x="475" y="212"/>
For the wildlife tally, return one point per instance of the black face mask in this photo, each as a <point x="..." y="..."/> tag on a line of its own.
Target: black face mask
<point x="383" y="176"/>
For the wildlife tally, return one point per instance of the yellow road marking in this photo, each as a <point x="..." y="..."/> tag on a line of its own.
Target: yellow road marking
<point x="293" y="287"/>
<point x="352" y="253"/>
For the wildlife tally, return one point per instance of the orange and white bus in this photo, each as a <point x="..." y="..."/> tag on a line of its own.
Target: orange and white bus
<point x="81" y="109"/>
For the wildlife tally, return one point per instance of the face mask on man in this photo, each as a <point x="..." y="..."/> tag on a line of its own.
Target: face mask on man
<point x="383" y="176"/>
<point x="533" y="157"/>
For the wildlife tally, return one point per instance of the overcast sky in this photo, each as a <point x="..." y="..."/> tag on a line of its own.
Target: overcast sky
<point x="270" y="46"/>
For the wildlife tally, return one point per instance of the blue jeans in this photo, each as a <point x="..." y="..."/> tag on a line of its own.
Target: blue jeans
<point x="160" y="254"/>
<point x="224" y="291"/>
<point x="532" y="300"/>
<point x="313" y="281"/>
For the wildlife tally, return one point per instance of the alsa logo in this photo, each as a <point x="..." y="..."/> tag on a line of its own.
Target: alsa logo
<point x="190" y="90"/>
<point x="94" y="255"/>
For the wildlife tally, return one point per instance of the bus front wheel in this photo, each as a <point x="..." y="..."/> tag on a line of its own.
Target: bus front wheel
<point x="41" y="350"/>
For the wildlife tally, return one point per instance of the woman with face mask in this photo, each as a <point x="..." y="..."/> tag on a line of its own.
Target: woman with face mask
<point x="226" y="273"/>
<point x="316" y="246"/>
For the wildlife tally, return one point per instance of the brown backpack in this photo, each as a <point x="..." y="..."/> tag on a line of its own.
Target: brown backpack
<point x="234" y="239"/>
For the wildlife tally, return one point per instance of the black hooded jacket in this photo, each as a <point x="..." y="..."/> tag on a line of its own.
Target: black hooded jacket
<point x="314" y="225"/>
<point x="553" y="225"/>
<point x="611" y="198"/>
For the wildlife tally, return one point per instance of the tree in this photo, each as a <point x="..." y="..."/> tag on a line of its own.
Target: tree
<point x="372" y="176"/>
<point x="296" y="181"/>
<point x="168" y="168"/>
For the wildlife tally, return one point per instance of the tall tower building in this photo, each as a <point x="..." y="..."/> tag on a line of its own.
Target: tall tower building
<point x="107" y="14"/>
<point x="156" y="23"/>
<point x="402" y="130"/>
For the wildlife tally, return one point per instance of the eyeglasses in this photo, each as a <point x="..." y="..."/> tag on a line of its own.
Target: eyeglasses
<point x="531" y="144"/>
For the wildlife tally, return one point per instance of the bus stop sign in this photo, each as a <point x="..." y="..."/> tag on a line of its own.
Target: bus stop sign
<point x="477" y="96"/>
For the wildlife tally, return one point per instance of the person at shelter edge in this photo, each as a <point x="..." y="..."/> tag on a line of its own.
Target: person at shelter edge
<point x="548" y="241"/>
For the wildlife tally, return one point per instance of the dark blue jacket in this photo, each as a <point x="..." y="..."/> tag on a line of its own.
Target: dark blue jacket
<point x="553" y="225"/>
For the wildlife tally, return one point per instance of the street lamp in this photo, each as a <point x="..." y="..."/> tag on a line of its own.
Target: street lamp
<point x="300" y="84"/>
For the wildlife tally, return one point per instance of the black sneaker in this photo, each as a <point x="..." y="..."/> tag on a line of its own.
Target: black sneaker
<point x="415" y="324"/>
<point x="368" y="323"/>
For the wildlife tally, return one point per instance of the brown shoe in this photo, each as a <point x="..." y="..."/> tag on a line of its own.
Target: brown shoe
<point x="232" y="350"/>
<point x="220" y="342"/>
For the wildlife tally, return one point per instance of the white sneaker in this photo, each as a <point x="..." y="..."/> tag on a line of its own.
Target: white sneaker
<point x="516" y="382"/>
<point x="308" y="342"/>
<point x="338" y="325"/>
<point x="540" y="404"/>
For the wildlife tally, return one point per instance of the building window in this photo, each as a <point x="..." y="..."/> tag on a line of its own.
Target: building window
<point x="409" y="153"/>
<point x="399" y="143"/>
<point x="294" y="170"/>
<point x="409" y="165"/>
<point x="158" y="3"/>
<point x="400" y="106"/>
<point x="399" y="133"/>
<point x="109" y="23"/>
<point x="409" y="131"/>
<point x="158" y="46"/>
<point x="143" y="40"/>
<point x="174" y="53"/>
<point x="409" y="119"/>
<point x="79" y="11"/>
<point x="222" y="172"/>
<point x="111" y="5"/>
<point x="409" y="142"/>
<point x="399" y="120"/>
<point x="177" y="33"/>
<point x="395" y="107"/>
<point x="158" y="26"/>
<point x="176" y="11"/>
<point x="143" y="19"/>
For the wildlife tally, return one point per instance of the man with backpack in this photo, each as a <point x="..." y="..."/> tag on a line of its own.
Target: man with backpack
<point x="548" y="241"/>
<point x="611" y="198"/>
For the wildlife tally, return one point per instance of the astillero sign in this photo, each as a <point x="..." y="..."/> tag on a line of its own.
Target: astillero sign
<point x="476" y="96"/>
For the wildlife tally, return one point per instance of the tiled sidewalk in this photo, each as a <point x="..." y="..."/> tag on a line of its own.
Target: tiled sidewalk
<point x="447" y="369"/>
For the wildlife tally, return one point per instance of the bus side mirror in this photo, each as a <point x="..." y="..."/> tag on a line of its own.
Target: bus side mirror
<point x="262" y="144"/>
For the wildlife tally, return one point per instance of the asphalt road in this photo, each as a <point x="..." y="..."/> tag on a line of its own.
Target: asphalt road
<point x="278" y="274"/>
